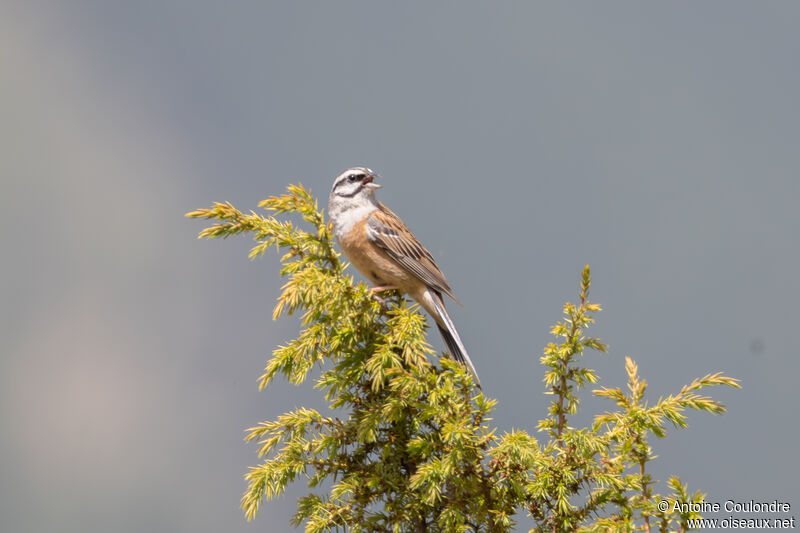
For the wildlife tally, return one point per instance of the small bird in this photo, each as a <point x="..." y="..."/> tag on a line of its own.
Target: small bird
<point x="384" y="250"/>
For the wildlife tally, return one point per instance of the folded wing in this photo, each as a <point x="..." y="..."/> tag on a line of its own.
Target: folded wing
<point x="388" y="232"/>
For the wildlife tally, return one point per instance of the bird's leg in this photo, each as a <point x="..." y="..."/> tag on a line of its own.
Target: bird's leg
<point x="383" y="288"/>
<point x="376" y="290"/>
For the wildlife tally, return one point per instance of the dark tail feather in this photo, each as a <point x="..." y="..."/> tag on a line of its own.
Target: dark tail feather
<point x="453" y="341"/>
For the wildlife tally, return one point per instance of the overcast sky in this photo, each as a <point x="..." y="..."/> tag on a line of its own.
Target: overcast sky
<point x="519" y="140"/>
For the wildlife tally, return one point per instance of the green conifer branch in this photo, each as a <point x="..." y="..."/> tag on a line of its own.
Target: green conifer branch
<point x="407" y="445"/>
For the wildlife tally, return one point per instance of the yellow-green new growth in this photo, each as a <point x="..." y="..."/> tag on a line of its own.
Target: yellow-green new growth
<point x="406" y="445"/>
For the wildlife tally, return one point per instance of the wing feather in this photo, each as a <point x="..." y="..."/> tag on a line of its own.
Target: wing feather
<point x="388" y="232"/>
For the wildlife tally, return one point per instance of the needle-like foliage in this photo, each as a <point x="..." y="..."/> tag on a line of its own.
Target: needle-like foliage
<point x="407" y="445"/>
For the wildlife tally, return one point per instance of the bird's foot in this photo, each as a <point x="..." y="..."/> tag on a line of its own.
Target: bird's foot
<point x="376" y="290"/>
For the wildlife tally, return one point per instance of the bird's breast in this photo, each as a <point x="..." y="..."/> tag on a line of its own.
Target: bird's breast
<point x="373" y="262"/>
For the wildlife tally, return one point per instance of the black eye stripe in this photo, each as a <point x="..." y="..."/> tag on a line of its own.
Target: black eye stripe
<point x="352" y="177"/>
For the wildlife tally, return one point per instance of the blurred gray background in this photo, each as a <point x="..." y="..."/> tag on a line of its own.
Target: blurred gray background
<point x="657" y="142"/>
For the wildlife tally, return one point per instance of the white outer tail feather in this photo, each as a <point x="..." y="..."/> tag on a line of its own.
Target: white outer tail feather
<point x="450" y="336"/>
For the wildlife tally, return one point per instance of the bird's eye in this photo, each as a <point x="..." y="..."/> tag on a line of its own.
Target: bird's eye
<point x="352" y="177"/>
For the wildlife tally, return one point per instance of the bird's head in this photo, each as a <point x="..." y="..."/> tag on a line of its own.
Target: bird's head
<point x="355" y="182"/>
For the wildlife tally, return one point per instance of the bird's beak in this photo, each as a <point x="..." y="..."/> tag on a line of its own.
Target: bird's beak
<point x="369" y="183"/>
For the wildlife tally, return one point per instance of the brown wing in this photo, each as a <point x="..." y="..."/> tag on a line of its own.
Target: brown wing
<point x="386" y="230"/>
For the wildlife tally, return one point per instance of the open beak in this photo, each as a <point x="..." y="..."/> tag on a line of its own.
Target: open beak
<point x="369" y="183"/>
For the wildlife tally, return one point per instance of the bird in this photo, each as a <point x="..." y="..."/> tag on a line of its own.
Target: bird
<point x="384" y="250"/>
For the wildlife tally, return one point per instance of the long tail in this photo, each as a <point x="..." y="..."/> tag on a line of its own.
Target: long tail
<point x="451" y="338"/>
